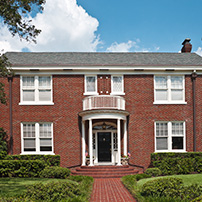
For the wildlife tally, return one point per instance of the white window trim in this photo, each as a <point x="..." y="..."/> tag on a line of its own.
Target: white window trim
<point x="37" y="140"/>
<point x="169" y="101"/>
<point x="117" y="93"/>
<point x="170" y="137"/>
<point x="36" y="88"/>
<point x="85" y="85"/>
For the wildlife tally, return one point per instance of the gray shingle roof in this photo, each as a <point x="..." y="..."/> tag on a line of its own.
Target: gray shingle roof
<point x="103" y="59"/>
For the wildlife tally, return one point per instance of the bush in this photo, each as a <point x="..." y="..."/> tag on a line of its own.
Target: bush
<point x="170" y="188"/>
<point x="177" y="163"/>
<point x="3" y="143"/>
<point x="154" y="172"/>
<point x="49" y="160"/>
<point x="141" y="176"/>
<point x="21" y="168"/>
<point x="54" y="191"/>
<point x="163" y="187"/>
<point x="55" y="172"/>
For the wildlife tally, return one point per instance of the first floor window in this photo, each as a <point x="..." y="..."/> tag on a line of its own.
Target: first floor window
<point x="170" y="136"/>
<point x="37" y="138"/>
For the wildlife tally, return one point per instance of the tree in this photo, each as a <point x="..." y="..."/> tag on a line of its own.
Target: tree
<point x="3" y="143"/>
<point x="13" y="13"/>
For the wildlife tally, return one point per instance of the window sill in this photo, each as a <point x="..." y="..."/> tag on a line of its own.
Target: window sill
<point x="170" y="103"/>
<point x="117" y="93"/>
<point x="36" y="103"/>
<point x="37" y="153"/>
<point x="174" y="151"/>
<point x="90" y="94"/>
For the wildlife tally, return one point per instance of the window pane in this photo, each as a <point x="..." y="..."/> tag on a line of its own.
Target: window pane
<point x="43" y="148"/>
<point x="90" y="84"/>
<point x="44" y="95"/>
<point x="161" y="129"/>
<point x="45" y="81"/>
<point x="28" y="130"/>
<point x="29" y="145"/>
<point x="46" y="142"/>
<point x="177" y="82"/>
<point x="45" y="130"/>
<point x="161" y="82"/>
<point x="117" y="84"/>
<point x="161" y="95"/>
<point x="177" y="142"/>
<point x="28" y="95"/>
<point x="28" y="81"/>
<point x="161" y="143"/>
<point x="176" y="94"/>
<point x="177" y="129"/>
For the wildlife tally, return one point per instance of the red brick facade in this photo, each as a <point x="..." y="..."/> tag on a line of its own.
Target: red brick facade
<point x="139" y="97"/>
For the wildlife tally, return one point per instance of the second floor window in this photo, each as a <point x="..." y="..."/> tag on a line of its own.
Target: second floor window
<point x="36" y="89"/>
<point x="90" y="85"/>
<point x="117" y="85"/>
<point x="169" y="89"/>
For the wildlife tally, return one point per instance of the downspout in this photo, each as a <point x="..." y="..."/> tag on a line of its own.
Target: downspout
<point x="193" y="77"/>
<point x="10" y="79"/>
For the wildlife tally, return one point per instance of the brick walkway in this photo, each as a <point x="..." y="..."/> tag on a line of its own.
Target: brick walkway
<point x="110" y="190"/>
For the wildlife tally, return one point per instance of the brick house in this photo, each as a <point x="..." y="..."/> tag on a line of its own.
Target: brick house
<point x="104" y="104"/>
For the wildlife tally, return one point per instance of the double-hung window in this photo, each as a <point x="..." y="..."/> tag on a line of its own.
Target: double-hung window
<point x="36" y="90"/>
<point x="37" y="138"/>
<point x="170" y="136"/>
<point x="169" y="90"/>
<point x="90" y="85"/>
<point x="117" y="85"/>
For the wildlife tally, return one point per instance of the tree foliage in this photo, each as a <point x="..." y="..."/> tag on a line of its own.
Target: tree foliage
<point x="3" y="143"/>
<point x="14" y="13"/>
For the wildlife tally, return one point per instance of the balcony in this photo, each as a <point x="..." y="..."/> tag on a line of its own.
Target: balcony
<point x="103" y="102"/>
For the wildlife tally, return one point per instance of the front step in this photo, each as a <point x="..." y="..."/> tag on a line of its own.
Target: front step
<point x="105" y="171"/>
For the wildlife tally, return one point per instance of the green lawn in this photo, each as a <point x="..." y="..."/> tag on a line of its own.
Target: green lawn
<point x="10" y="187"/>
<point x="187" y="179"/>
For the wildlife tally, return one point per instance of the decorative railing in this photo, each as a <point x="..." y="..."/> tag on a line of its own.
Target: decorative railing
<point x="104" y="102"/>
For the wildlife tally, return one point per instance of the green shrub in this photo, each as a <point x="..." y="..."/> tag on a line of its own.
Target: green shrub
<point x="21" y="168"/>
<point x="170" y="188"/>
<point x="55" y="172"/>
<point x="177" y="163"/>
<point x="49" y="160"/>
<point x="54" y="191"/>
<point x="142" y="176"/>
<point x="162" y="187"/>
<point x="3" y="143"/>
<point x="154" y="172"/>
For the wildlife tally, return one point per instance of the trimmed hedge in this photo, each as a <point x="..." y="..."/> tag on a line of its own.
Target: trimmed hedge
<point x="177" y="163"/>
<point x="154" y="172"/>
<point x="49" y="160"/>
<point x="21" y="168"/>
<point x="170" y="188"/>
<point x="55" y="172"/>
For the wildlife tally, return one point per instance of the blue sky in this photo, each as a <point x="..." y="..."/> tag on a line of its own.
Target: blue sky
<point x="101" y="25"/>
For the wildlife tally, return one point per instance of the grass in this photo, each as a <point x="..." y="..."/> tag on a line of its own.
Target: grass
<point x="187" y="179"/>
<point x="11" y="187"/>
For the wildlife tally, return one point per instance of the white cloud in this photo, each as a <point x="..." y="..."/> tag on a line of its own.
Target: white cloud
<point x="65" y="27"/>
<point x="199" y="51"/>
<point x="122" y="47"/>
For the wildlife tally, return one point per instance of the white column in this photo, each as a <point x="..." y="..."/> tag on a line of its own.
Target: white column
<point x="119" y="141"/>
<point x="125" y="139"/>
<point x="90" y="142"/>
<point x="83" y="144"/>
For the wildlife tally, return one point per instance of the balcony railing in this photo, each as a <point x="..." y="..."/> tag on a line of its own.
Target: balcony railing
<point x="104" y="102"/>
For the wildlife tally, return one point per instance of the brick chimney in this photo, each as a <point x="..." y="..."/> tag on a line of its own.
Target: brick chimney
<point x="186" y="46"/>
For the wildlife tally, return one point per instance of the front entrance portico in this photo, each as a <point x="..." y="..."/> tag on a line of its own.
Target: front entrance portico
<point x="103" y="129"/>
